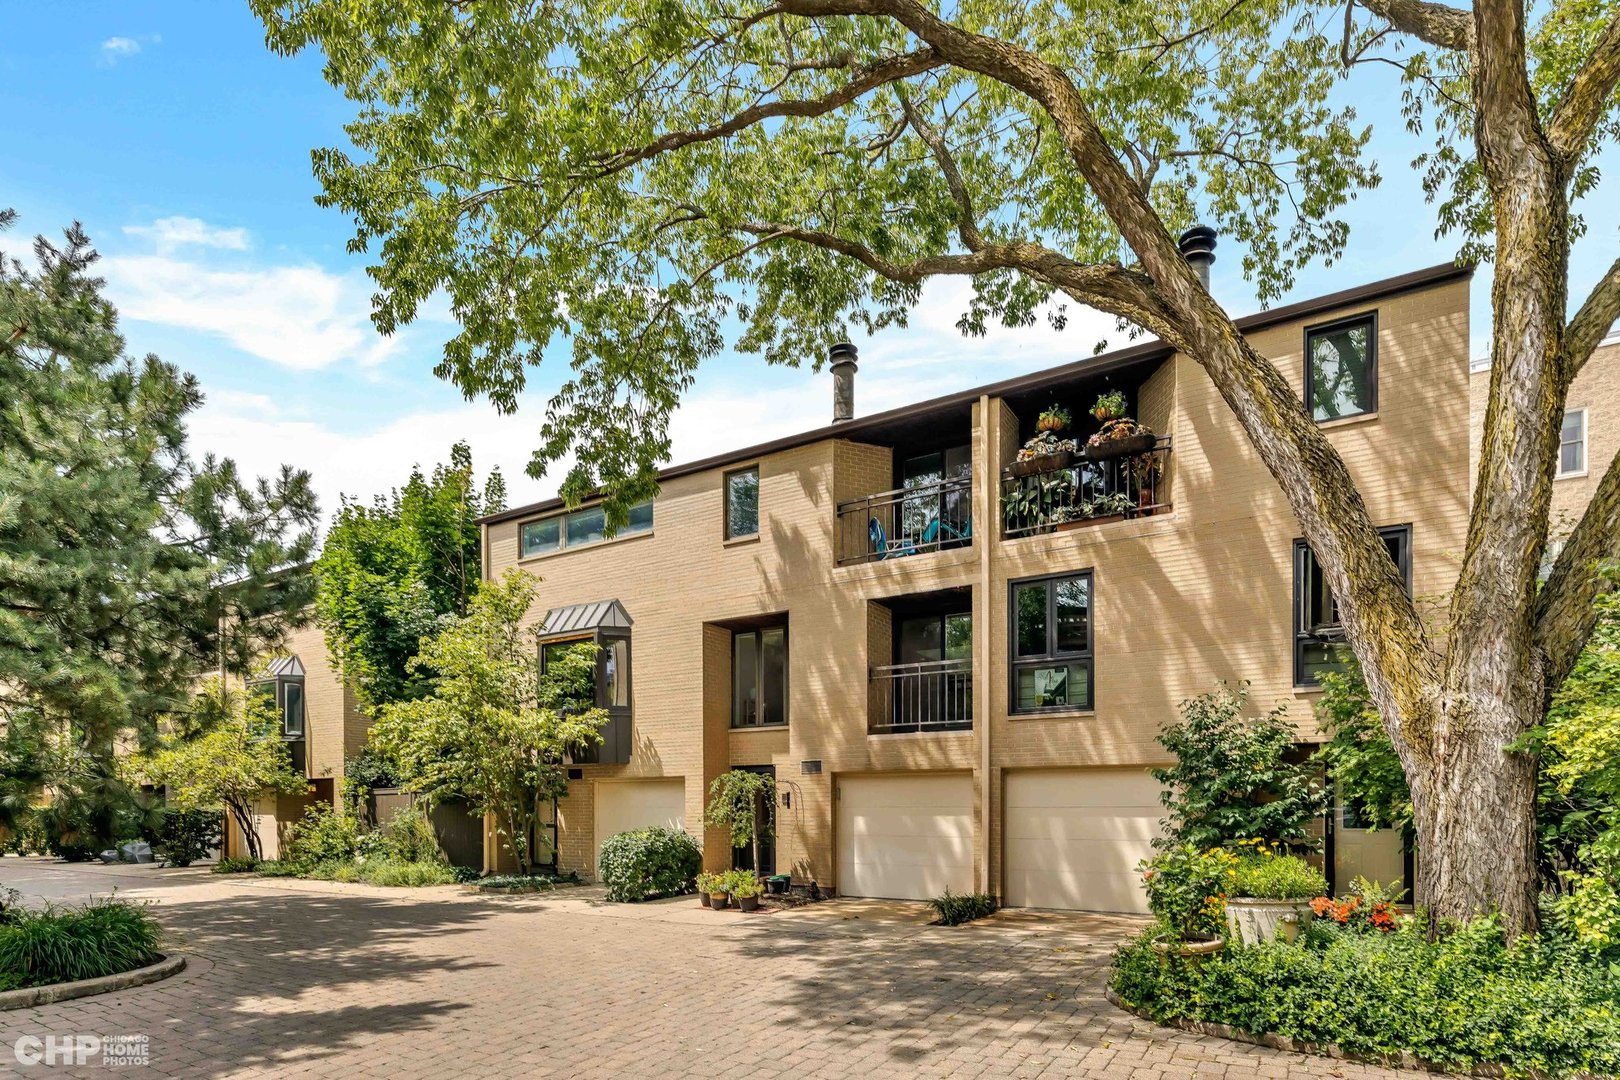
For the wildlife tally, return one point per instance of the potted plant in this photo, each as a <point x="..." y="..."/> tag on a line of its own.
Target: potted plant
<point x="1098" y="511"/>
<point x="1036" y="499"/>
<point x="1110" y="405"/>
<point x="1121" y="437"/>
<point x="745" y="887"/>
<point x="1271" y="894"/>
<point x="706" y="884"/>
<point x="719" y="891"/>
<point x="1054" y="418"/>
<point x="1186" y="890"/>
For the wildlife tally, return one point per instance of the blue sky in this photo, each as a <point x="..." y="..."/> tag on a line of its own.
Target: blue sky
<point x="183" y="145"/>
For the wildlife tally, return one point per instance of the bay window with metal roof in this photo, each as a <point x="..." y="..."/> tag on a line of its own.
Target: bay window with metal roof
<point x="606" y="625"/>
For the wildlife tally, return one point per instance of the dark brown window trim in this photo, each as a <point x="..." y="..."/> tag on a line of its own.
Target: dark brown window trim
<point x="1302" y="637"/>
<point x="725" y="502"/>
<point x="1087" y="657"/>
<point x="759" y="671"/>
<point x="1370" y="317"/>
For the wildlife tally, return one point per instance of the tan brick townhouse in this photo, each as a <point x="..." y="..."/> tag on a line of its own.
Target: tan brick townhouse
<point x="956" y="675"/>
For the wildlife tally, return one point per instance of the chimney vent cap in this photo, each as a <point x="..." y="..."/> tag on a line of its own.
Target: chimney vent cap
<point x="1198" y="244"/>
<point x="842" y="353"/>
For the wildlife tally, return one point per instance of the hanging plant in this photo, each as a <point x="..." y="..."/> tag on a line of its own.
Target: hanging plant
<point x="1055" y="418"/>
<point x="1109" y="406"/>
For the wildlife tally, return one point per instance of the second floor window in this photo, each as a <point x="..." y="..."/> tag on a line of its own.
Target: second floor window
<point x="742" y="503"/>
<point x="1572" y="444"/>
<point x="611" y="689"/>
<point x="577" y="528"/>
<point x="1051" y="644"/>
<point x="759" y="677"/>
<point x="1341" y="368"/>
<point x="283" y="692"/>
<point x="1318" y="632"/>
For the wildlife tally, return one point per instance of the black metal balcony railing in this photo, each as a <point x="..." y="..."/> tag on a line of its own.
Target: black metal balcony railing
<point x="1085" y="492"/>
<point x="935" y="695"/>
<point x="905" y="521"/>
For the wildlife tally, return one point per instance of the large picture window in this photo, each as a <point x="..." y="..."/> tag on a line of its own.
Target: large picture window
<point x="1341" y="368"/>
<point x="759" y="677"/>
<point x="1318" y="633"/>
<point x="742" y="503"/>
<point x="578" y="528"/>
<point x="1051" y="629"/>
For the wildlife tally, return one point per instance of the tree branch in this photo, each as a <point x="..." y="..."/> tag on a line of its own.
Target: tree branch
<point x="967" y="223"/>
<point x="1592" y="322"/>
<point x="1565" y="613"/>
<point x="1438" y="24"/>
<point x="866" y="79"/>
<point x="1588" y="95"/>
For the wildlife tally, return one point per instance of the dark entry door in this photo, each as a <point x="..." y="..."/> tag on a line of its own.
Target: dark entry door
<point x="742" y="858"/>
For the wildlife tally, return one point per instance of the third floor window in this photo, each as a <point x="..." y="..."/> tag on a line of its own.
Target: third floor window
<point x="1341" y="368"/>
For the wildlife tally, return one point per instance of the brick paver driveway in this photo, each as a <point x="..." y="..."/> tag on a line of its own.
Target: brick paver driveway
<point x="300" y="978"/>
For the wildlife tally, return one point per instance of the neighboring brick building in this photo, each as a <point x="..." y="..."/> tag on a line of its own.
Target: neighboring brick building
<point x="322" y="725"/>
<point x="957" y="677"/>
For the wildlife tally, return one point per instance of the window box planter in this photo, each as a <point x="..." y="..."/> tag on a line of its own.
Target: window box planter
<point x="1080" y="523"/>
<point x="1116" y="448"/>
<point x="1039" y="464"/>
<point x="1253" y="920"/>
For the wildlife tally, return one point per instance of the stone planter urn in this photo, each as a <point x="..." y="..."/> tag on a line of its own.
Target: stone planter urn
<point x="1253" y="920"/>
<point x="1193" y="948"/>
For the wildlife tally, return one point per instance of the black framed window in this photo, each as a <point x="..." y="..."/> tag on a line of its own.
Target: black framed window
<point x="1051" y="644"/>
<point x="759" y="677"/>
<point x="742" y="503"/>
<point x="612" y="679"/>
<point x="1318" y="633"/>
<point x="1341" y="368"/>
<point x="285" y="696"/>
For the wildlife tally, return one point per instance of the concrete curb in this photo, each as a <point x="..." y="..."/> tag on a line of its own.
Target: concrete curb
<point x="1408" y="1061"/>
<point x="32" y="996"/>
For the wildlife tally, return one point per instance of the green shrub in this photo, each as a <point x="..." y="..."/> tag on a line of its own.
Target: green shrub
<point x="1542" y="1003"/>
<point x="410" y="837"/>
<point x="742" y="883"/>
<point x="323" y="835"/>
<point x="27" y="837"/>
<point x="464" y="875"/>
<point x="236" y="866"/>
<point x="402" y="874"/>
<point x="531" y="882"/>
<point x="280" y="868"/>
<point x="1187" y="890"/>
<point x="53" y="945"/>
<point x="184" y="836"/>
<point x="639" y="865"/>
<point x="1266" y="875"/>
<point x="954" y="909"/>
<point x="331" y="870"/>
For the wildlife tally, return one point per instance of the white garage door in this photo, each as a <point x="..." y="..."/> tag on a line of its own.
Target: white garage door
<point x="624" y="805"/>
<point x="1075" y="837"/>
<point x="905" y="837"/>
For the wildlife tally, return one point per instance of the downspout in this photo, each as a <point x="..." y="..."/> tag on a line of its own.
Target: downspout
<point x="986" y="537"/>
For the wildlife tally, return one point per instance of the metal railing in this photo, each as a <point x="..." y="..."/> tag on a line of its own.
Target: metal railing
<point x="905" y="521"/>
<point x="934" y="695"/>
<point x="1085" y="491"/>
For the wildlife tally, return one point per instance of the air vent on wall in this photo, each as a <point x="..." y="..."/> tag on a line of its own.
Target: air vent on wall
<point x="810" y="768"/>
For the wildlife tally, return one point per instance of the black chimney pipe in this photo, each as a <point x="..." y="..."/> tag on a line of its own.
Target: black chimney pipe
<point x="842" y="358"/>
<point x="1198" y="248"/>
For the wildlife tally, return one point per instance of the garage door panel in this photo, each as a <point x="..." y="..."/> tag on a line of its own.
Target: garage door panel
<point x="905" y="837"/>
<point x="1074" y="838"/>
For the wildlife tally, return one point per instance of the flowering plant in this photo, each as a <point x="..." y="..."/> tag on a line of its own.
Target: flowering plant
<point x="1187" y="890"/>
<point x="1045" y="444"/>
<point x="1115" y="430"/>
<point x="1370" y="906"/>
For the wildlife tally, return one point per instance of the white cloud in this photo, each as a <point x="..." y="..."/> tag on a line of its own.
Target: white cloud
<point x="117" y="48"/>
<point x="170" y="233"/>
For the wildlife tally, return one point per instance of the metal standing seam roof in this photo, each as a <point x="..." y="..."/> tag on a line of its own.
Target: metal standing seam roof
<point x="285" y="667"/>
<point x="594" y="616"/>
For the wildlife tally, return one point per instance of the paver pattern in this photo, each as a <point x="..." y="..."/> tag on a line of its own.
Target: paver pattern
<point x="312" y="979"/>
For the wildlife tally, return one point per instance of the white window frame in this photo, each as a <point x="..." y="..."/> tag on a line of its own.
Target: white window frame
<point x="1585" y="437"/>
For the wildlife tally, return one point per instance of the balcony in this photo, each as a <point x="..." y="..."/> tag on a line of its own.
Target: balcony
<point x="1069" y="491"/>
<point x="906" y="521"/>
<point x="934" y="695"/>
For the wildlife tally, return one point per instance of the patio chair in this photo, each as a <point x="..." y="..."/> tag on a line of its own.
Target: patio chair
<point x="878" y="543"/>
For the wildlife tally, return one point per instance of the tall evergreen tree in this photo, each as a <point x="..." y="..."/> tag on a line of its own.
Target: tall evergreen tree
<point x="126" y="565"/>
<point x="390" y="573"/>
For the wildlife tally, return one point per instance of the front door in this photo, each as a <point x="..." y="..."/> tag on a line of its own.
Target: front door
<point x="742" y="858"/>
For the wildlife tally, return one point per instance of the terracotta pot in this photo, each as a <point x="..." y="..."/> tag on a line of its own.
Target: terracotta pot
<point x="1114" y="448"/>
<point x="718" y="901"/>
<point x="1253" y="919"/>
<point x="1194" y="949"/>
<point x="1044" y="423"/>
<point x="748" y="903"/>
